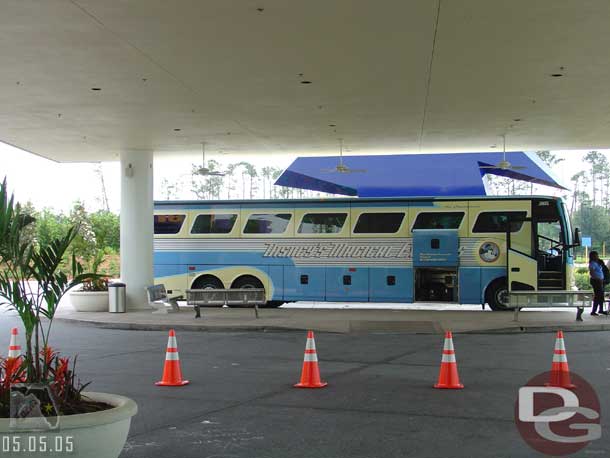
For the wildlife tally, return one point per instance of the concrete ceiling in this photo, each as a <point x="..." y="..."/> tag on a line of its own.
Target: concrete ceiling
<point x="391" y="75"/>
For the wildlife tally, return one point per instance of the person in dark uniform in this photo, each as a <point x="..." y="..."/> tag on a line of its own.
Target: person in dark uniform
<point x="596" y="278"/>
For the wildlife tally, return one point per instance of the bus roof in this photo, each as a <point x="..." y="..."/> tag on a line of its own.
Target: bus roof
<point x="346" y="200"/>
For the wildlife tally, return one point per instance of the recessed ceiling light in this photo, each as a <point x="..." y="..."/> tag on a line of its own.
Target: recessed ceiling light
<point x="557" y="75"/>
<point x="305" y="82"/>
<point x="177" y="129"/>
<point x="96" y="88"/>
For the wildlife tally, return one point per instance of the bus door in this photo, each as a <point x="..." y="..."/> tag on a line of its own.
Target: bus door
<point x="550" y="244"/>
<point x="435" y="262"/>
<point x="522" y="266"/>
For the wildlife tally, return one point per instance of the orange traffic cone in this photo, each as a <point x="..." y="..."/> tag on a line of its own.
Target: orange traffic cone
<point x="14" y="349"/>
<point x="560" y="372"/>
<point x="310" y="375"/>
<point x="172" y="375"/>
<point x="448" y="377"/>
<point x="15" y="357"/>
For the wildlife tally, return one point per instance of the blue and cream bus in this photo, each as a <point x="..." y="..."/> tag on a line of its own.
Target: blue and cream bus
<point x="471" y="250"/>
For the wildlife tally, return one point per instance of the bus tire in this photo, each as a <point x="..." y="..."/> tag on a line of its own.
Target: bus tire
<point x="497" y="295"/>
<point x="247" y="282"/>
<point x="207" y="282"/>
<point x="273" y="304"/>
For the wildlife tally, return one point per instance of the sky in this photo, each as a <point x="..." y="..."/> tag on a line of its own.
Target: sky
<point x="56" y="186"/>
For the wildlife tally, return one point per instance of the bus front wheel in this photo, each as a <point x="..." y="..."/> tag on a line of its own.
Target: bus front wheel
<point x="207" y="282"/>
<point x="497" y="295"/>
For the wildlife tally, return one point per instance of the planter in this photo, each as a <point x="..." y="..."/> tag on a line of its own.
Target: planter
<point x="89" y="301"/>
<point x="89" y="435"/>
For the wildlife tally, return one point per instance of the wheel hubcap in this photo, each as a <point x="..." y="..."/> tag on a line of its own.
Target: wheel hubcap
<point x="502" y="297"/>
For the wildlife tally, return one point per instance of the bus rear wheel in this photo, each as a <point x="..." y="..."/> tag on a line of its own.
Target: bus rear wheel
<point x="497" y="296"/>
<point x="247" y="282"/>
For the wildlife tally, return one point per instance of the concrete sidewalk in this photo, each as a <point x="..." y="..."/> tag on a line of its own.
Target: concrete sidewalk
<point x="342" y="320"/>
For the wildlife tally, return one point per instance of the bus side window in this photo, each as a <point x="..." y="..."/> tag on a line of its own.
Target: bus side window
<point x="214" y="223"/>
<point x="391" y="280"/>
<point x="267" y="223"/>
<point x="322" y="223"/>
<point x="168" y="224"/>
<point x="304" y="279"/>
<point x="438" y="220"/>
<point x="498" y="221"/>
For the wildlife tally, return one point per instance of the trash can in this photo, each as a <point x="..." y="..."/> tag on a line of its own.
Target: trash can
<point x="117" y="298"/>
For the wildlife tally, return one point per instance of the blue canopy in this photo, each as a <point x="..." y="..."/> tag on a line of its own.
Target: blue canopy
<point x="413" y="174"/>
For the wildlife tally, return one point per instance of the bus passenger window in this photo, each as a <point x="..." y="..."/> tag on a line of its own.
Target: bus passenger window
<point x="498" y="221"/>
<point x="322" y="223"/>
<point x="214" y="224"/>
<point x="347" y="280"/>
<point x="438" y="220"/>
<point x="168" y="224"/>
<point x="379" y="223"/>
<point x="304" y="279"/>
<point x="391" y="280"/>
<point x="267" y="223"/>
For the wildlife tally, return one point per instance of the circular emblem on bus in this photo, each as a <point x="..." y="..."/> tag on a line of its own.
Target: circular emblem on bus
<point x="489" y="252"/>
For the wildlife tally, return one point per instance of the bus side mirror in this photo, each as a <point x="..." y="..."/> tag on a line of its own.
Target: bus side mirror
<point x="577" y="240"/>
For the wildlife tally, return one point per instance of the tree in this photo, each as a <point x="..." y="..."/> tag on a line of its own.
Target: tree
<point x="169" y="190"/>
<point x="228" y="183"/>
<point x="206" y="186"/>
<point x="251" y="172"/>
<point x="100" y="174"/>
<point x="106" y="228"/>
<point x="266" y="174"/>
<point x="580" y="180"/>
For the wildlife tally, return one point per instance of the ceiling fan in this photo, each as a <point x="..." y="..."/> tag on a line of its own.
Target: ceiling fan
<point x="205" y="171"/>
<point x="341" y="167"/>
<point x="503" y="164"/>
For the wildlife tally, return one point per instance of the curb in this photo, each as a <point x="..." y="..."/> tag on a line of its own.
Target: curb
<point x="541" y="329"/>
<point x="436" y="328"/>
<point x="167" y="327"/>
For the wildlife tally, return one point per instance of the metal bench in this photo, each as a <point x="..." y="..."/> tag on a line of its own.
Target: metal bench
<point x="218" y="297"/>
<point x="545" y="299"/>
<point x="159" y="299"/>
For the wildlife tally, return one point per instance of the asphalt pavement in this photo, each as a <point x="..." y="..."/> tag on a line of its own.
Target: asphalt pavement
<point x="379" y="402"/>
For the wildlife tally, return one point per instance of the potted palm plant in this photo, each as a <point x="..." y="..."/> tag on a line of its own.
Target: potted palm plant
<point x="92" y="294"/>
<point x="43" y="405"/>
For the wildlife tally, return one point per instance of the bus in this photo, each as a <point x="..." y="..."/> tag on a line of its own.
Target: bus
<point x="465" y="250"/>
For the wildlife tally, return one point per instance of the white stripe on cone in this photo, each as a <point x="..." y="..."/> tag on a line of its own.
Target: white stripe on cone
<point x="448" y="358"/>
<point x="560" y="358"/>
<point x="310" y="345"/>
<point x="448" y="344"/>
<point x="172" y="342"/>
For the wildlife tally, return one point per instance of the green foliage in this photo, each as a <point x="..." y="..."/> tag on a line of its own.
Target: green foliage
<point x="582" y="280"/>
<point x="593" y="222"/>
<point x="31" y="281"/>
<point x="106" y="228"/>
<point x="49" y="226"/>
